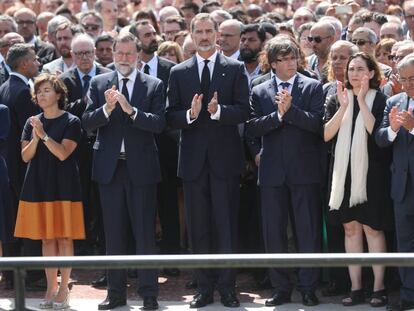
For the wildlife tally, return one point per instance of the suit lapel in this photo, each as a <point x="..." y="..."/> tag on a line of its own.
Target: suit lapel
<point x="297" y="90"/>
<point x="113" y="80"/>
<point x="271" y="85"/>
<point x="218" y="74"/>
<point x="161" y="72"/>
<point x="139" y="91"/>
<point x="193" y="74"/>
<point x="78" y="82"/>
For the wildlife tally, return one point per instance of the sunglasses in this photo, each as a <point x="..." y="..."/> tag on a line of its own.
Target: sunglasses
<point x="317" y="39"/>
<point x="360" y="42"/>
<point x="90" y="27"/>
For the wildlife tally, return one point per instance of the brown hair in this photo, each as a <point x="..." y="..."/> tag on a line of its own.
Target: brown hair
<point x="57" y="85"/>
<point x="375" y="81"/>
<point x="385" y="44"/>
<point x="168" y="46"/>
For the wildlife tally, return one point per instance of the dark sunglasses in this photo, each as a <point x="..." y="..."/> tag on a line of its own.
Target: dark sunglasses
<point x="317" y="39"/>
<point x="90" y="27"/>
<point x="360" y="42"/>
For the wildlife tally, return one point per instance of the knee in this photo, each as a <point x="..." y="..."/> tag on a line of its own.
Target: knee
<point x="372" y="233"/>
<point x="352" y="229"/>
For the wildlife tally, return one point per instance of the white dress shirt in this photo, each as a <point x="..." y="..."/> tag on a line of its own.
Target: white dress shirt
<point x="153" y="66"/>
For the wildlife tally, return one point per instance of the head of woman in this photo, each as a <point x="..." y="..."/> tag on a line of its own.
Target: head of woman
<point x="360" y="65"/>
<point x="171" y="51"/>
<point x="338" y="58"/>
<point x="383" y="51"/>
<point x="49" y="91"/>
<point x="302" y="37"/>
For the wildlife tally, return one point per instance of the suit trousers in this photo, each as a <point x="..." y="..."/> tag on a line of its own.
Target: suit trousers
<point x="211" y="210"/>
<point x="404" y="228"/>
<point x="129" y="210"/>
<point x="306" y="205"/>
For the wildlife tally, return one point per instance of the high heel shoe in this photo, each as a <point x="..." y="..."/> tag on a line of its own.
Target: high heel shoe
<point x="46" y="304"/>
<point x="62" y="305"/>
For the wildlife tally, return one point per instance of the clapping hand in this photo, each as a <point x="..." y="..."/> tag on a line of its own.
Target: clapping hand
<point x="364" y="89"/>
<point x="111" y="99"/>
<point x="213" y="104"/>
<point x="406" y="119"/>
<point x="393" y="118"/>
<point x="123" y="102"/>
<point x="283" y="101"/>
<point x="342" y="95"/>
<point x="196" y="105"/>
<point x="37" y="127"/>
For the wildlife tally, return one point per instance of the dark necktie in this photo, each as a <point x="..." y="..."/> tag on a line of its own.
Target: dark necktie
<point x="125" y="89"/>
<point x="205" y="81"/>
<point x="86" y="79"/>
<point x="146" y="69"/>
<point x="284" y="85"/>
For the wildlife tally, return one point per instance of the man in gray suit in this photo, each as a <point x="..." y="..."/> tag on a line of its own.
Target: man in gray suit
<point x="397" y="129"/>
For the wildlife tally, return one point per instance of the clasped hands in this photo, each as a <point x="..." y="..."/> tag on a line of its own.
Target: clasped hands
<point x="38" y="132"/>
<point x="113" y="96"/>
<point x="197" y="103"/>
<point x="400" y="119"/>
<point x="283" y="101"/>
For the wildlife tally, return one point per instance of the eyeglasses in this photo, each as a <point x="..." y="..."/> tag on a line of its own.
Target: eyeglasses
<point x="83" y="53"/>
<point x="396" y="58"/>
<point x="406" y="80"/>
<point x="121" y="54"/>
<point x="28" y="23"/>
<point x="90" y="27"/>
<point x="360" y="42"/>
<point x="391" y="57"/>
<point x="280" y="4"/>
<point x="317" y="39"/>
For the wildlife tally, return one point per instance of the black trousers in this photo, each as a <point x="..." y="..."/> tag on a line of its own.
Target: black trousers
<point x="305" y="201"/>
<point x="211" y="209"/>
<point x="129" y="210"/>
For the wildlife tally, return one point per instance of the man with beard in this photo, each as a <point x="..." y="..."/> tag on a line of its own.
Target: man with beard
<point x="167" y="143"/>
<point x="207" y="99"/>
<point x="252" y="40"/>
<point x="125" y="164"/>
<point x="64" y="34"/>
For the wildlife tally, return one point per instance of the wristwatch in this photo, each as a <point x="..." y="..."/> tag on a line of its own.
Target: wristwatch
<point x="45" y="138"/>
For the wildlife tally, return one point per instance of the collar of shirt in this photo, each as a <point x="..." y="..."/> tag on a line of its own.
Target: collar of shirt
<point x="235" y="55"/>
<point x="200" y="63"/>
<point x="291" y="81"/>
<point x="2" y="59"/>
<point x="153" y="64"/>
<point x="131" y="82"/>
<point x="33" y="41"/>
<point x="25" y="80"/>
<point x="91" y="73"/>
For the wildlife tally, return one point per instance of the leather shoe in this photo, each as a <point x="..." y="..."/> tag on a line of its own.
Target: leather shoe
<point x="111" y="303"/>
<point x="309" y="299"/>
<point x="230" y="300"/>
<point x="150" y="303"/>
<point x="171" y="272"/>
<point x="278" y="299"/>
<point x="101" y="282"/>
<point x="401" y="306"/>
<point x="201" y="300"/>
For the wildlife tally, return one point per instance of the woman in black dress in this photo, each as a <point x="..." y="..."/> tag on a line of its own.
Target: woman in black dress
<point x="360" y="181"/>
<point x="50" y="207"/>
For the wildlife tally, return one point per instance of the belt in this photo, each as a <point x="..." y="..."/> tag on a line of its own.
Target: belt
<point x="122" y="156"/>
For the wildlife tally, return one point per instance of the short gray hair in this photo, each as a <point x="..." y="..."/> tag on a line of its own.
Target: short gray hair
<point x="82" y="37"/>
<point x="94" y="14"/>
<point x="352" y="48"/>
<point x="372" y="37"/>
<point x="126" y="37"/>
<point x="17" y="53"/>
<point x="406" y="61"/>
<point x="54" y="23"/>
<point x="8" y="19"/>
<point x="327" y="25"/>
<point x="276" y="47"/>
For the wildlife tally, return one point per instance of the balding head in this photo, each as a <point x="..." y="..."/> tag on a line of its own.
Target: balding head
<point x="229" y="38"/>
<point x="8" y="41"/>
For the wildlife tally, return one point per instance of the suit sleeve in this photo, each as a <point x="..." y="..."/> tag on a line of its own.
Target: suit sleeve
<point x="238" y="111"/>
<point x="381" y="135"/>
<point x="308" y="120"/>
<point x="94" y="117"/>
<point x="4" y="126"/>
<point x="175" y="114"/>
<point x="153" y="121"/>
<point x="260" y="124"/>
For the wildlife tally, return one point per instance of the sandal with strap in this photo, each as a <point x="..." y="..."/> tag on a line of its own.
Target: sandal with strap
<point x="355" y="297"/>
<point x="379" y="298"/>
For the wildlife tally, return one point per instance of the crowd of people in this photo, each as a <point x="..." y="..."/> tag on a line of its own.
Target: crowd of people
<point x="140" y="127"/>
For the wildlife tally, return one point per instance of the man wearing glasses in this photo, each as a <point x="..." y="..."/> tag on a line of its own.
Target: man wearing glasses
<point x="322" y="36"/>
<point x="92" y="23"/>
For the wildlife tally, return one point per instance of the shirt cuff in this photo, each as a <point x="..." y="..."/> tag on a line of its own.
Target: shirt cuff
<point x="189" y="121"/>
<point x="104" y="111"/>
<point x="216" y="116"/>
<point x="391" y="134"/>
<point x="133" y="116"/>
<point x="279" y="116"/>
<point x="412" y="132"/>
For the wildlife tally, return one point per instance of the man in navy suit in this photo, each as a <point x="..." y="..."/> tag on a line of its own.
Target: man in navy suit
<point x="397" y="129"/>
<point x="125" y="163"/>
<point x="207" y="99"/>
<point x="287" y="113"/>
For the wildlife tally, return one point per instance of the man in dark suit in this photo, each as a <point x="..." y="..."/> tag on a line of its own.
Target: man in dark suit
<point x="207" y="99"/>
<point x="126" y="163"/>
<point x="287" y="113"/>
<point x="15" y="94"/>
<point x="397" y="129"/>
<point x="77" y="83"/>
<point x="167" y="143"/>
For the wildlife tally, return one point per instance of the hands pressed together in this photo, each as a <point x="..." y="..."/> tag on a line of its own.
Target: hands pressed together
<point x="283" y="101"/>
<point x="400" y="119"/>
<point x="38" y="132"/>
<point x="114" y="96"/>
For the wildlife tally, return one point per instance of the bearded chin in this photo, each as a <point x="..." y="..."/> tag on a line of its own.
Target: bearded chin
<point x="124" y="70"/>
<point x="206" y="48"/>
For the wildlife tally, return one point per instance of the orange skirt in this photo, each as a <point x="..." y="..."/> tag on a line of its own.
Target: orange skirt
<point x="50" y="220"/>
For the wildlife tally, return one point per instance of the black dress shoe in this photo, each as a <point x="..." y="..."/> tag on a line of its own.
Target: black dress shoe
<point x="101" y="282"/>
<point x="309" y="299"/>
<point x="150" y="303"/>
<point x="401" y="306"/>
<point x="201" y="300"/>
<point x="230" y="300"/>
<point x="171" y="272"/>
<point x="111" y="303"/>
<point x="278" y="299"/>
<point x="192" y="284"/>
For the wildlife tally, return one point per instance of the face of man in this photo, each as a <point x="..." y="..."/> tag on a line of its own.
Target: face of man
<point x="403" y="52"/>
<point x="390" y="31"/>
<point x="170" y="30"/>
<point x="361" y="39"/>
<point x="5" y="27"/>
<point x="250" y="46"/>
<point x="104" y="52"/>
<point x="204" y="36"/>
<point x="374" y="26"/>
<point x="148" y="37"/>
<point x="83" y="54"/>
<point x="409" y="17"/>
<point x="321" y="41"/>
<point x="75" y="6"/>
<point x="125" y="57"/>
<point x="229" y="39"/>
<point x="301" y="17"/>
<point x="189" y="49"/>
<point x="339" y="59"/>
<point x="26" y="25"/>
<point x="63" y="42"/>
<point x="109" y="14"/>
<point x="91" y="26"/>
<point x="286" y="66"/>
<point x="31" y="65"/>
<point x="406" y="77"/>
<point x="351" y="28"/>
<point x="9" y="40"/>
